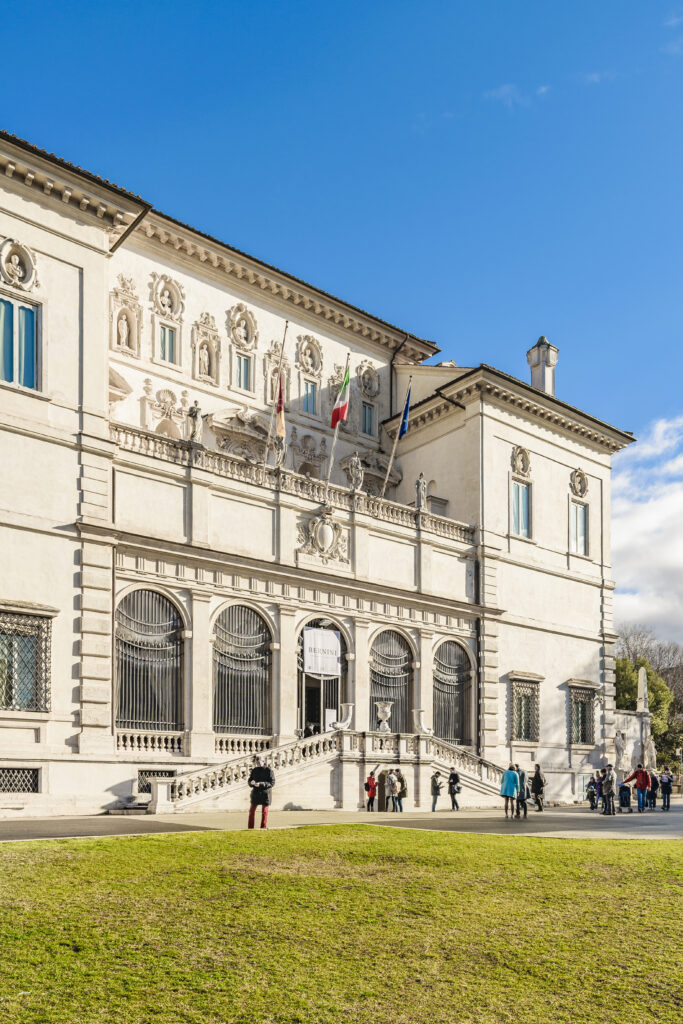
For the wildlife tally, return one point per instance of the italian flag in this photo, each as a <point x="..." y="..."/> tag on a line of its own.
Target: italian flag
<point x="341" y="406"/>
<point x="280" y="418"/>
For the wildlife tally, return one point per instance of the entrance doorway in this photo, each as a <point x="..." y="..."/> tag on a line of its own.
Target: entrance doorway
<point x="319" y="696"/>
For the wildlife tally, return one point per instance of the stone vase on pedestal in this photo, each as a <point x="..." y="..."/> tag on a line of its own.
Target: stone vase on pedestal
<point x="384" y="713"/>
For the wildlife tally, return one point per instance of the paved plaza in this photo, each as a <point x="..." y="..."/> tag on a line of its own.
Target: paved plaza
<point x="555" y="822"/>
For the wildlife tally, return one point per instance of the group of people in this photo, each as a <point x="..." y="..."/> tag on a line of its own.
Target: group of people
<point x="395" y="789"/>
<point x="517" y="789"/>
<point x="602" y="787"/>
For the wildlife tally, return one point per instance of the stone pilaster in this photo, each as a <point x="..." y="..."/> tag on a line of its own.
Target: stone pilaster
<point x="96" y="640"/>
<point x="424" y="689"/>
<point x="361" y="675"/>
<point x="285" y="716"/>
<point x="200" y="680"/>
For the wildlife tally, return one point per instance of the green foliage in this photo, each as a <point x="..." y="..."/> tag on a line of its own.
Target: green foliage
<point x="660" y="696"/>
<point x="339" y="925"/>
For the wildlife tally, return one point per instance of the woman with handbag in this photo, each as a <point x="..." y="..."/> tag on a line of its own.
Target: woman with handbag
<point x="371" y="790"/>
<point x="454" y="788"/>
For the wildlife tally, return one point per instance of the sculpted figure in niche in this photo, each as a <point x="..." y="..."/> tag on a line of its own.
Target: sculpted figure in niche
<point x="195" y="414"/>
<point x="279" y="451"/>
<point x="242" y="332"/>
<point x="123" y="331"/>
<point x="619" y="748"/>
<point x="14" y="268"/>
<point x="166" y="302"/>
<point x="204" y="364"/>
<point x="421" y="492"/>
<point x="356" y="472"/>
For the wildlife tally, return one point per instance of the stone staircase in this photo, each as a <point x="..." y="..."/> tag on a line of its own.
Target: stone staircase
<point x="214" y="786"/>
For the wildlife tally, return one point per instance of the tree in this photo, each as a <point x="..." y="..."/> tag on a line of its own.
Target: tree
<point x="660" y="696"/>
<point x="638" y="644"/>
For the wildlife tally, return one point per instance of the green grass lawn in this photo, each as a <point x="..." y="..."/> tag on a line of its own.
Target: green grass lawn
<point x="342" y="924"/>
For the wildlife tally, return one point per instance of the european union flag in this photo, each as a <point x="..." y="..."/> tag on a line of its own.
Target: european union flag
<point x="403" y="429"/>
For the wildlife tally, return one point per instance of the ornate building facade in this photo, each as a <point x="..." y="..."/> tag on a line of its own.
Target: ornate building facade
<point x="164" y="552"/>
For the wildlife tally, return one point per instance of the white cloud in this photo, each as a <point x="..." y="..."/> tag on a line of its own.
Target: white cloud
<point x="509" y="95"/>
<point x="542" y="90"/>
<point x="674" y="20"/>
<point x="647" y="530"/>
<point x="597" y="77"/>
<point x="674" y="48"/>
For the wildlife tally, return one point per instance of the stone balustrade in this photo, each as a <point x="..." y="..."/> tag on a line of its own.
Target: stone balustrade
<point x="135" y="742"/>
<point x="463" y="760"/>
<point x="235" y="746"/>
<point x="185" y="453"/>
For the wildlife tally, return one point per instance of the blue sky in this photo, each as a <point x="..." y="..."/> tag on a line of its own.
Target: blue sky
<point x="478" y="173"/>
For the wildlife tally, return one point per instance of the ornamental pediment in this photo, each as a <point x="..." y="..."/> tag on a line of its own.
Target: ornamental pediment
<point x="240" y="431"/>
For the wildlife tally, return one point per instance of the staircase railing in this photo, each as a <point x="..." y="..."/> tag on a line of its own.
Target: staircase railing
<point x="465" y="760"/>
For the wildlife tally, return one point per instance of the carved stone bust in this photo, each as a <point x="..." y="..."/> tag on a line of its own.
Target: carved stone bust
<point x="521" y="463"/>
<point x="17" y="265"/>
<point x="579" y="483"/>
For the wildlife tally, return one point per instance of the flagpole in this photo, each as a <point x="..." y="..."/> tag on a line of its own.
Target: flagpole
<point x="398" y="431"/>
<point x="275" y="401"/>
<point x="336" y="432"/>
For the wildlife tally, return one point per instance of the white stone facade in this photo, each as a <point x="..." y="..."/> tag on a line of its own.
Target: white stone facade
<point x="132" y="450"/>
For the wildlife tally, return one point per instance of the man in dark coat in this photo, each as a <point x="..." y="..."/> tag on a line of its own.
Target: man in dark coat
<point x="261" y="782"/>
<point x="538" y="786"/>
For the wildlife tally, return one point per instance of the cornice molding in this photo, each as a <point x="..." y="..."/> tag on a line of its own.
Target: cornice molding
<point x="248" y="272"/>
<point x="60" y="187"/>
<point x="433" y="408"/>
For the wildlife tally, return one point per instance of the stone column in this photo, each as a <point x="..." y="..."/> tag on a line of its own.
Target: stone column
<point x="286" y="682"/>
<point x="199" y="681"/>
<point x="361" y="677"/>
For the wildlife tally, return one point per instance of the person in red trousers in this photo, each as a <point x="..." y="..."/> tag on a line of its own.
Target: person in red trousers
<point x="261" y="782"/>
<point x="642" y="777"/>
<point x="371" y="790"/>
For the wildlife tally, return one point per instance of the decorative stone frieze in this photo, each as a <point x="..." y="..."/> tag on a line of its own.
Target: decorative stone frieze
<point x="323" y="538"/>
<point x="521" y="463"/>
<point x="241" y="433"/>
<point x="18" y="265"/>
<point x="271" y="362"/>
<point x="309" y="457"/>
<point x="163" y="413"/>
<point x="206" y="350"/>
<point x="368" y="379"/>
<point x="168" y="298"/>
<point x="309" y="355"/>
<point x="242" y="327"/>
<point x="578" y="483"/>
<point x="125" y="318"/>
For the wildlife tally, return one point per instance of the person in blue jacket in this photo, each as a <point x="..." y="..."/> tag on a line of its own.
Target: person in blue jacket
<point x="509" y="788"/>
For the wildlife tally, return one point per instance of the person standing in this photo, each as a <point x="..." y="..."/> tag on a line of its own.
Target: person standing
<point x="396" y="790"/>
<point x="437" y="786"/>
<point x="591" y="792"/>
<point x="261" y="781"/>
<point x="642" y="777"/>
<point x="652" y="792"/>
<point x="666" y="784"/>
<point x="522" y="795"/>
<point x="371" y="790"/>
<point x="509" y="788"/>
<point x="389" y="790"/>
<point x="402" y="790"/>
<point x="598" y="788"/>
<point x="609" y="786"/>
<point x="538" y="786"/>
<point x="453" y="789"/>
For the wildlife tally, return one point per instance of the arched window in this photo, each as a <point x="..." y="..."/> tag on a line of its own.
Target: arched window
<point x="391" y="678"/>
<point x="320" y="696"/>
<point x="452" y="693"/>
<point x="241" y="672"/>
<point x="149" y="663"/>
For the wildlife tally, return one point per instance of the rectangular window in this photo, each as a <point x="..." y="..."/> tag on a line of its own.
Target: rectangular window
<point x="368" y="419"/>
<point x="521" y="518"/>
<point x="578" y="528"/>
<point x="167" y="345"/>
<point x="24" y="662"/>
<point x="583" y="730"/>
<point x="18" y="344"/>
<point x="310" y="397"/>
<point x="525" y="710"/>
<point x="19" y="780"/>
<point x="244" y="373"/>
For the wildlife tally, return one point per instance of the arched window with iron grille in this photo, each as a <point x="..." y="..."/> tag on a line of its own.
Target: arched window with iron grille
<point x="242" y="661"/>
<point x="391" y="678"/>
<point x="452" y="693"/>
<point x="318" y="696"/>
<point x="149" y="663"/>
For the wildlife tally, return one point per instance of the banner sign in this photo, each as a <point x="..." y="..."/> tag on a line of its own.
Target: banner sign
<point x="322" y="652"/>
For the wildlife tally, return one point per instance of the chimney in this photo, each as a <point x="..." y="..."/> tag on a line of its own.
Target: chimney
<point x="542" y="359"/>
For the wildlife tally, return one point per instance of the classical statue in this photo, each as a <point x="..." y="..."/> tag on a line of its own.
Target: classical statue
<point x="242" y="332"/>
<point x="204" y="360"/>
<point x="166" y="302"/>
<point x="279" y="451"/>
<point x="356" y="472"/>
<point x="619" y="748"/>
<point x="14" y="268"/>
<point x="123" y="330"/>
<point x="421" y="492"/>
<point x="195" y="414"/>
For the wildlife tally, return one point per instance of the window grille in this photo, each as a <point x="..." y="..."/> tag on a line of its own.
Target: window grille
<point x="24" y="662"/>
<point x="149" y="663"/>
<point x="242" y="672"/>
<point x="452" y="693"/>
<point x="525" y="711"/>
<point x="145" y="774"/>
<point x="391" y="678"/>
<point x="582" y="716"/>
<point x="316" y="693"/>
<point x="19" y="780"/>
